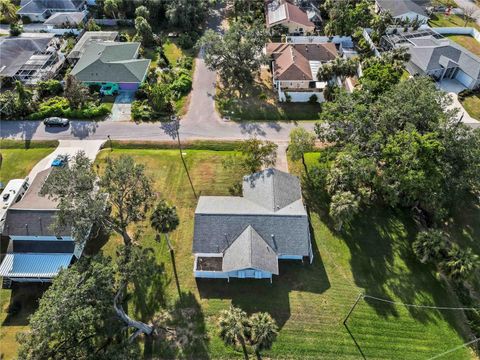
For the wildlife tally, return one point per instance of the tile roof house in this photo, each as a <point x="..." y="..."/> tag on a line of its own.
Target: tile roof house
<point x="283" y="12"/>
<point x="438" y="57"/>
<point x="30" y="57"/>
<point x="246" y="236"/>
<point x="405" y="9"/>
<point x="295" y="66"/>
<point x="40" y="10"/>
<point x="35" y="252"/>
<point x="112" y="63"/>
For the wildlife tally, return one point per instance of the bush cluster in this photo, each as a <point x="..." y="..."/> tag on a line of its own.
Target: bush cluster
<point x="59" y="106"/>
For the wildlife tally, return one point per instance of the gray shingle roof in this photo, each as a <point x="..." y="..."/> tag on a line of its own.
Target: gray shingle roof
<point x="271" y="205"/>
<point x="15" y="51"/>
<point x="60" y="18"/>
<point x="401" y="7"/>
<point x="40" y="6"/>
<point x="250" y="251"/>
<point x="272" y="189"/>
<point x="111" y="62"/>
<point x="430" y="53"/>
<point x="90" y="37"/>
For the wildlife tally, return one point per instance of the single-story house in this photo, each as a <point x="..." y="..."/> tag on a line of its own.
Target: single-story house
<point x="405" y="10"/>
<point x="246" y="236"/>
<point x="295" y="67"/>
<point x="36" y="253"/>
<point x="12" y="192"/>
<point x="438" y="57"/>
<point x="86" y="39"/>
<point x="112" y="63"/>
<point x="283" y="12"/>
<point x="66" y="19"/>
<point x="30" y="57"/>
<point x="40" y="10"/>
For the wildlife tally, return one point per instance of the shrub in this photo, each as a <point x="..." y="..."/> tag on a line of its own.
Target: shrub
<point x="49" y="88"/>
<point x="16" y="29"/>
<point x="313" y="99"/>
<point x="187" y="40"/>
<point x="142" y="92"/>
<point x="141" y="110"/>
<point x="263" y="96"/>
<point x="122" y="36"/>
<point x="59" y="106"/>
<point x="185" y="62"/>
<point x="182" y="85"/>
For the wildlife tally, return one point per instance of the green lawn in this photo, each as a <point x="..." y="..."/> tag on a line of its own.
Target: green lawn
<point x="261" y="103"/>
<point x="17" y="163"/>
<point x="309" y="302"/>
<point x="442" y="20"/>
<point x="172" y="52"/>
<point x="468" y="42"/>
<point x="472" y="105"/>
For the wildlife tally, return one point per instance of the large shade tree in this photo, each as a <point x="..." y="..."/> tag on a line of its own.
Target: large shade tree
<point x="236" y="54"/>
<point x="75" y="318"/>
<point x="8" y="10"/>
<point x="116" y="198"/>
<point x="417" y="155"/>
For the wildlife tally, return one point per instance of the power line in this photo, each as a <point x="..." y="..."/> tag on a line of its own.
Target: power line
<point x="421" y="306"/>
<point x="455" y="349"/>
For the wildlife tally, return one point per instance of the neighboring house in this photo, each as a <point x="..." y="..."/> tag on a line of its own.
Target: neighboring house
<point x="405" y="10"/>
<point x="66" y="20"/>
<point x="35" y="252"/>
<point x="284" y="13"/>
<point x="245" y="237"/>
<point x="86" y="39"/>
<point x="112" y="63"/>
<point x="438" y="57"/>
<point x="40" y="10"/>
<point x="295" y="67"/>
<point x="30" y="57"/>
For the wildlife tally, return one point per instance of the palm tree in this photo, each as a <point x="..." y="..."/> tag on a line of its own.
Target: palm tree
<point x="8" y="11"/>
<point x="461" y="263"/>
<point x="164" y="220"/>
<point x="430" y="245"/>
<point x="234" y="328"/>
<point x="263" y="332"/>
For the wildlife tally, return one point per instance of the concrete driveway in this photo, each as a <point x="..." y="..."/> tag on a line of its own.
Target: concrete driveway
<point x="122" y="107"/>
<point x="70" y="148"/>
<point x="453" y="87"/>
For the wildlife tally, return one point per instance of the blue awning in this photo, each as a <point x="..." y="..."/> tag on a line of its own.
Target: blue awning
<point x="30" y="265"/>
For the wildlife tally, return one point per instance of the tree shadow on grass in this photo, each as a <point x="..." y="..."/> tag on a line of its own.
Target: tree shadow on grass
<point x="254" y="295"/>
<point x="24" y="300"/>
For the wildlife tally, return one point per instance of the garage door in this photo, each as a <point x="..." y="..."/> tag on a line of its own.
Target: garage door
<point x="463" y="78"/>
<point x="128" y="86"/>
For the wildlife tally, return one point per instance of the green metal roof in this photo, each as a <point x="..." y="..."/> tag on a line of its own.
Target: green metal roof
<point x="111" y="62"/>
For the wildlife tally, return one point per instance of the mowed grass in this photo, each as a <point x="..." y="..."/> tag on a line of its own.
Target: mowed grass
<point x="442" y="20"/>
<point x="472" y="105"/>
<point x="17" y="161"/>
<point x="309" y="302"/>
<point x="468" y="42"/>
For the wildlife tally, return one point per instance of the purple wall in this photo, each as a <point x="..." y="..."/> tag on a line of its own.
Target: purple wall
<point x="128" y="86"/>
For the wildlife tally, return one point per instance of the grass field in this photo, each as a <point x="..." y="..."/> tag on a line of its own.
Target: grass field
<point x="309" y="302"/>
<point x="17" y="163"/>
<point x="468" y="42"/>
<point x="441" y="20"/>
<point x="261" y="103"/>
<point x="472" y="105"/>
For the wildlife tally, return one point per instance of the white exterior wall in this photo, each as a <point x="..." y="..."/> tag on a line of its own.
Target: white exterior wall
<point x="410" y="16"/>
<point x="303" y="96"/>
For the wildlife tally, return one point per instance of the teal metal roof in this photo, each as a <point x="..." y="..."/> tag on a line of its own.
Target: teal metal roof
<point x="21" y="265"/>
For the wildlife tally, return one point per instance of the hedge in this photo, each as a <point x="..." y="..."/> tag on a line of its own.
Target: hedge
<point x="59" y="106"/>
<point x="189" y="145"/>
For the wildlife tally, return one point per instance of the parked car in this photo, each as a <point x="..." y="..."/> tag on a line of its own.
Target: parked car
<point x="109" y="90"/>
<point x="60" y="160"/>
<point x="56" y="121"/>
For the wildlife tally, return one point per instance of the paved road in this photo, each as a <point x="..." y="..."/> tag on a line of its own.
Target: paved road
<point x="200" y="122"/>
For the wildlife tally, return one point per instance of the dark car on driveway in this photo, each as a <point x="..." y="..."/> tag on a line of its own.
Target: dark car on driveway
<point x="56" y="121"/>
